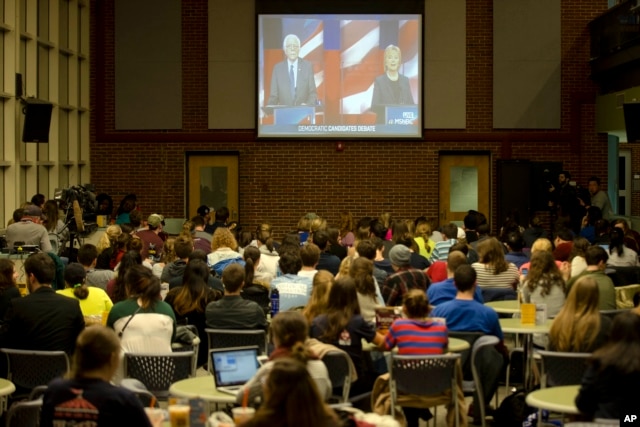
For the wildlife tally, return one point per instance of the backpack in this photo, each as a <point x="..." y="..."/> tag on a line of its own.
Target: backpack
<point x="512" y="411"/>
<point x="219" y="266"/>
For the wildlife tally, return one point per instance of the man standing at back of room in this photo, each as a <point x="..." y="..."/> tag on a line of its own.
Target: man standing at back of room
<point x="599" y="198"/>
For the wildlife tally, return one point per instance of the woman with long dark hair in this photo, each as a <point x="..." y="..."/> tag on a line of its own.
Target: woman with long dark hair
<point x="190" y="300"/>
<point x="144" y="323"/>
<point x="8" y="287"/>
<point x="369" y="296"/>
<point x="291" y="399"/>
<point x="609" y="386"/>
<point x="116" y="288"/>
<point x="344" y="327"/>
<point x="619" y="254"/>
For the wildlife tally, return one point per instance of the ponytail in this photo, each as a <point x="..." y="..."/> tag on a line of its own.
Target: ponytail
<point x="81" y="290"/>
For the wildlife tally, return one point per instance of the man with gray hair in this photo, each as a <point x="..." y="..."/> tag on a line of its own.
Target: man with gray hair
<point x="292" y="80"/>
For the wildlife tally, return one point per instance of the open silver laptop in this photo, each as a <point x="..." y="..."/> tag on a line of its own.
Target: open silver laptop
<point x="232" y="367"/>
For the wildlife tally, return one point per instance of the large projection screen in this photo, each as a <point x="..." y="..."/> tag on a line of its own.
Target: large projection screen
<point x="341" y="75"/>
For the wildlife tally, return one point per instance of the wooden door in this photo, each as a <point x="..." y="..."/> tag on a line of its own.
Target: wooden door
<point x="464" y="185"/>
<point x="212" y="180"/>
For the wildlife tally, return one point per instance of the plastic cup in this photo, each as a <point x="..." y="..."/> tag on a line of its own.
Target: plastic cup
<point x="156" y="416"/>
<point x="179" y="415"/>
<point x="240" y="414"/>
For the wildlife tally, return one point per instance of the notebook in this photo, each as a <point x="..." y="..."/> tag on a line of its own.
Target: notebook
<point x="232" y="367"/>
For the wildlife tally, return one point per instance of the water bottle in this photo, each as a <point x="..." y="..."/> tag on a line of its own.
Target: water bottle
<point x="275" y="302"/>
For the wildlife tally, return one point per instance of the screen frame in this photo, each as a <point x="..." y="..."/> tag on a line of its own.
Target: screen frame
<point x="285" y="9"/>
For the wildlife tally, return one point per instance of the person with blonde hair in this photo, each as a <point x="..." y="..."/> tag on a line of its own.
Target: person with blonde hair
<point x="223" y="246"/>
<point x="579" y="326"/>
<point x="289" y="332"/>
<point x="106" y="246"/>
<point x="390" y="88"/>
<point x="422" y="236"/>
<point x="96" y="359"/>
<point x="321" y="286"/>
<point x="544" y="283"/>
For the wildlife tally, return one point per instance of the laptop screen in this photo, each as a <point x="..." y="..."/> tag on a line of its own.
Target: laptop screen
<point x="234" y="366"/>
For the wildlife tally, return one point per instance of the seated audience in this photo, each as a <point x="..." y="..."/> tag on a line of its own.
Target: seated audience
<point x="449" y="236"/>
<point x="88" y="256"/>
<point x="291" y="398"/>
<point x="107" y="246"/>
<point x="116" y="288"/>
<point x="42" y="320"/>
<point x="381" y="260"/>
<point x="514" y="244"/>
<point x="544" y="283"/>
<point x="168" y="256"/>
<point x="631" y="237"/>
<point x="403" y="236"/>
<point x="619" y="254"/>
<point x="578" y="262"/>
<point x="367" y="249"/>
<point x="369" y="296"/>
<point x="327" y="261"/>
<point x="416" y="334"/>
<point x="579" y="327"/>
<point x="465" y="314"/>
<point x="446" y="290"/>
<point x="343" y="326"/>
<point x="404" y="278"/>
<point x="190" y="300"/>
<point x="609" y="385"/>
<point x="182" y="246"/>
<point x="86" y="396"/>
<point x="596" y="258"/>
<point x="563" y="244"/>
<point x="93" y="301"/>
<point x="223" y="246"/>
<point x="289" y="331"/>
<point x="232" y="311"/>
<point x="422" y="236"/>
<point x="253" y="289"/>
<point x="8" y="288"/>
<point x="347" y="238"/>
<point x="534" y="232"/>
<point x="151" y="239"/>
<point x="492" y="270"/>
<point x="201" y="239"/>
<point x="144" y="323"/>
<point x="268" y="268"/>
<point x="335" y="247"/>
<point x="29" y="230"/>
<point x="321" y="286"/>
<point x="310" y="256"/>
<point x="294" y="289"/>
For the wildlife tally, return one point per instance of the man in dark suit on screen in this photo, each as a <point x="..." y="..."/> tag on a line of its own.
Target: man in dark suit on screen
<point x="292" y="81"/>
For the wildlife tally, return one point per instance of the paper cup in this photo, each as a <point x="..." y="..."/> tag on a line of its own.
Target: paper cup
<point x="241" y="414"/>
<point x="179" y="415"/>
<point x="156" y="416"/>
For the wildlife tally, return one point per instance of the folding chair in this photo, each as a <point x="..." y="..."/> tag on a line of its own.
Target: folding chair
<point x="31" y="368"/>
<point x="228" y="338"/>
<point x="337" y="363"/>
<point x="424" y="376"/>
<point x="158" y="371"/>
<point x="562" y="368"/>
<point x="25" y="413"/>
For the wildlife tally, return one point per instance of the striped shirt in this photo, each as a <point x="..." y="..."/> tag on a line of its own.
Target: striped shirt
<point x="441" y="250"/>
<point x="487" y="279"/>
<point x="417" y="337"/>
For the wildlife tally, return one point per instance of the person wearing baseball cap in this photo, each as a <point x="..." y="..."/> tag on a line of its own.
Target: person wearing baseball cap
<point x="152" y="243"/>
<point x="405" y="277"/>
<point x="29" y="230"/>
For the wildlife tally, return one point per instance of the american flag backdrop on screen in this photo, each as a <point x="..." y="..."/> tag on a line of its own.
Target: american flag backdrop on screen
<point x="362" y="54"/>
<point x="347" y="56"/>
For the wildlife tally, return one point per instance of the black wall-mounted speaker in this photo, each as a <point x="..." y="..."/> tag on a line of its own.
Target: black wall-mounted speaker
<point x="632" y="121"/>
<point x="37" y="120"/>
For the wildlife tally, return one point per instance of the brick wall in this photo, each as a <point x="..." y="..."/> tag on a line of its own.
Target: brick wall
<point x="281" y="180"/>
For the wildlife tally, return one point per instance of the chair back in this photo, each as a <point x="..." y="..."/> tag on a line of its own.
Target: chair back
<point x="337" y="363"/>
<point x="465" y="355"/>
<point x="562" y="368"/>
<point x="158" y="371"/>
<point x="228" y="338"/>
<point x="486" y="365"/>
<point x="194" y="346"/>
<point x="25" y="413"/>
<point x="613" y="313"/>
<point x="498" y="294"/>
<point x="31" y="368"/>
<point x="423" y="375"/>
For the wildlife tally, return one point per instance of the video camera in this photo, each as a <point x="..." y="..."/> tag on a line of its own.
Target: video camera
<point x="86" y="202"/>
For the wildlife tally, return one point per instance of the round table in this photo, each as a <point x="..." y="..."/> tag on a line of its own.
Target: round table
<point x="504" y="307"/>
<point x="557" y="399"/>
<point x="6" y="388"/>
<point x="203" y="387"/>
<point x="515" y="326"/>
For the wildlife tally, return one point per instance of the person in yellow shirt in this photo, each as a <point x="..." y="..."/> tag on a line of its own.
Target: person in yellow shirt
<point x="93" y="301"/>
